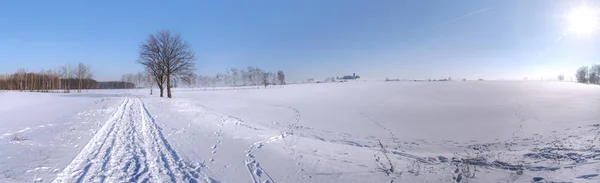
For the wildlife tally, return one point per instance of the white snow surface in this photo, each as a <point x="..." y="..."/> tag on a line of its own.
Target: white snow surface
<point x="491" y="131"/>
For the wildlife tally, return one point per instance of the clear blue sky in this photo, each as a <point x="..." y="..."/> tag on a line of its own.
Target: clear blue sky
<point x="411" y="39"/>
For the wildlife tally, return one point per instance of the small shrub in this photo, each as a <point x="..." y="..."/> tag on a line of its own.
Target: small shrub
<point x="384" y="164"/>
<point x="19" y="138"/>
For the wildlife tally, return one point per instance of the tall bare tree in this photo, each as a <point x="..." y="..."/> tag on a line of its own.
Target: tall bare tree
<point x="167" y="56"/>
<point x="150" y="57"/>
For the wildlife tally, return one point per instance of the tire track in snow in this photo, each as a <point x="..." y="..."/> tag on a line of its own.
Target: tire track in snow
<point x="130" y="147"/>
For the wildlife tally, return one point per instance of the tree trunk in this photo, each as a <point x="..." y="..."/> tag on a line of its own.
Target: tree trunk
<point x="169" y="85"/>
<point x="161" y="91"/>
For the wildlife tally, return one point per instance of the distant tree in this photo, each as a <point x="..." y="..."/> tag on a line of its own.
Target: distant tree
<point x="189" y="79"/>
<point x="67" y="73"/>
<point x="582" y="74"/>
<point x="83" y="73"/>
<point x="126" y="79"/>
<point x="251" y="75"/>
<point x="594" y="74"/>
<point x="281" y="77"/>
<point x="148" y="80"/>
<point x="560" y="77"/>
<point x="592" y="77"/>
<point x="244" y="77"/>
<point x="234" y="76"/>
<point x="265" y="78"/>
<point x="273" y="78"/>
<point x="220" y="78"/>
<point x="139" y="79"/>
<point x="21" y="78"/>
<point x="204" y="81"/>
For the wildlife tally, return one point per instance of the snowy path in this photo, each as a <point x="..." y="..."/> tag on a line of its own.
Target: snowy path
<point x="130" y="147"/>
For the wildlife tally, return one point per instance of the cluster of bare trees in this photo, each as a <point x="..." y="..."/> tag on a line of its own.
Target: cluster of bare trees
<point x="587" y="74"/>
<point x="166" y="57"/>
<point x="44" y="81"/>
<point x="250" y="76"/>
<point x="169" y="60"/>
<point x="137" y="79"/>
<point x="65" y="78"/>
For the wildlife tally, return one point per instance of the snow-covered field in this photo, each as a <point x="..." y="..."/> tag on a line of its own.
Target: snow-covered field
<point x="489" y="131"/>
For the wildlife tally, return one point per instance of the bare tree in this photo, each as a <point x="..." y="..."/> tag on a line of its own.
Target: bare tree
<point x="189" y="80"/>
<point x="594" y="74"/>
<point x="89" y="75"/>
<point x="128" y="80"/>
<point x="273" y="78"/>
<point x="257" y="76"/>
<point x="177" y="56"/>
<point x="265" y="78"/>
<point x="245" y="77"/>
<point x="140" y="79"/>
<point x="204" y="81"/>
<point x="22" y="79"/>
<point x="582" y="74"/>
<point x="167" y="56"/>
<point x="68" y="74"/>
<point x="148" y="80"/>
<point x="234" y="76"/>
<point x="83" y="73"/>
<point x="560" y="77"/>
<point x="150" y="57"/>
<point x="281" y="77"/>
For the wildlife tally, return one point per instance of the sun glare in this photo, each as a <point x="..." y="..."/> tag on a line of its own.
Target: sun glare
<point x="583" y="20"/>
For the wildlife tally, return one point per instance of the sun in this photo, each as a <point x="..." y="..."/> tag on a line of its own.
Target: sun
<point x="583" y="20"/>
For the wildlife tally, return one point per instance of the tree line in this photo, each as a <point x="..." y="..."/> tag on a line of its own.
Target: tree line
<point x="249" y="76"/>
<point x="64" y="78"/>
<point x="589" y="74"/>
<point x="168" y="60"/>
<point x="232" y="77"/>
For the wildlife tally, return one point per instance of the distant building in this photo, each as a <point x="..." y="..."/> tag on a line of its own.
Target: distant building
<point x="353" y="76"/>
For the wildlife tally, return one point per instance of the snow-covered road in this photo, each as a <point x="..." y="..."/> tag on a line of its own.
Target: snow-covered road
<point x="130" y="147"/>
